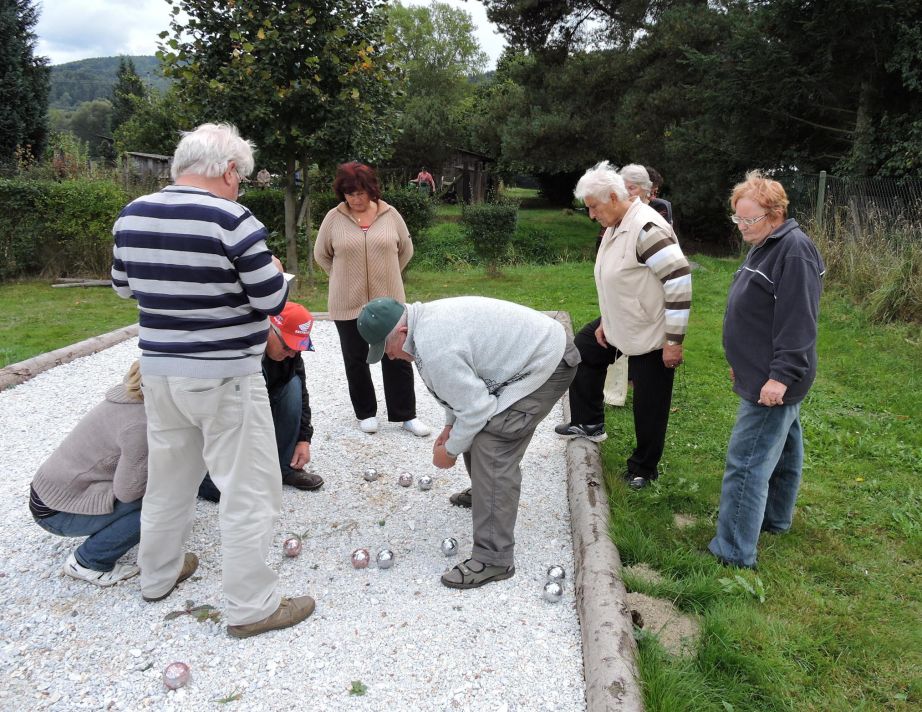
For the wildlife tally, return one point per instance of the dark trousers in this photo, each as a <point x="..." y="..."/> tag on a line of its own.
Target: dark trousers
<point x="652" y="396"/>
<point x="399" y="395"/>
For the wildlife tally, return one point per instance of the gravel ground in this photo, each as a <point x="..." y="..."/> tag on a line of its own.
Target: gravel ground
<point x="411" y="642"/>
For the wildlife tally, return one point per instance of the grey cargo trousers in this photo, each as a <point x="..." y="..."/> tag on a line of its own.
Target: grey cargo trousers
<point x="493" y="463"/>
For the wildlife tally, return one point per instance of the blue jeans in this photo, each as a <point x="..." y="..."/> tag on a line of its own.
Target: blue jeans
<point x="110" y="536"/>
<point x="764" y="463"/>
<point x="285" y="402"/>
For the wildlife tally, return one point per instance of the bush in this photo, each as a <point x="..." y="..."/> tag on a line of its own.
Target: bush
<point x="268" y="205"/>
<point x="417" y="209"/>
<point x="57" y="228"/>
<point x="322" y="202"/>
<point x="490" y="227"/>
<point x="443" y="247"/>
<point x="531" y="245"/>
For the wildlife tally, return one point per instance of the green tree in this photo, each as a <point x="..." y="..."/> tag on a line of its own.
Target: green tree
<point x="92" y="124"/>
<point x="155" y="123"/>
<point x="308" y="82"/>
<point x="24" y="81"/>
<point x="438" y="51"/>
<point x="126" y="92"/>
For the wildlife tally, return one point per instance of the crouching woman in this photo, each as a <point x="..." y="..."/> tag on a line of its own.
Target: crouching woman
<point x="93" y="483"/>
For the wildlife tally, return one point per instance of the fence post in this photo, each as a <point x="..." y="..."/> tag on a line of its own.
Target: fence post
<point x="820" y="201"/>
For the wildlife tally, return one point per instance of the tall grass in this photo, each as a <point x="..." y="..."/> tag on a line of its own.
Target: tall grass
<point x="876" y="265"/>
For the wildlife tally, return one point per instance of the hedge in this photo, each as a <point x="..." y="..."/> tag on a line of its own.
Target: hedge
<point x="57" y="228"/>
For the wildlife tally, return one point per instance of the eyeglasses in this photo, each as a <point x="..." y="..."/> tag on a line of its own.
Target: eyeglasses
<point x="737" y="220"/>
<point x="285" y="347"/>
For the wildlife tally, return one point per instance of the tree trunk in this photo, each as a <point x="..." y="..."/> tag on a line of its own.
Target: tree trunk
<point x="291" y="217"/>
<point x="304" y="218"/>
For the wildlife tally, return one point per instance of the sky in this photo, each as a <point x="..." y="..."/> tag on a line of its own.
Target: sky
<point x="68" y="30"/>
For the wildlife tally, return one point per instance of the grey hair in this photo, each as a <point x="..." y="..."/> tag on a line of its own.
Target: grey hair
<point x="402" y="321"/>
<point x="208" y="150"/>
<point x="600" y="182"/>
<point x="637" y="174"/>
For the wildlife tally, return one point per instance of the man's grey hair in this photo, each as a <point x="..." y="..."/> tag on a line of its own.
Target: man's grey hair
<point x="600" y="182"/>
<point x="637" y="174"/>
<point x="208" y="150"/>
<point x="400" y="322"/>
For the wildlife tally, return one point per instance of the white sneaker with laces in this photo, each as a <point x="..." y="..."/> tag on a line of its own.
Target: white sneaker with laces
<point x="417" y="427"/>
<point x="99" y="578"/>
<point x="369" y="425"/>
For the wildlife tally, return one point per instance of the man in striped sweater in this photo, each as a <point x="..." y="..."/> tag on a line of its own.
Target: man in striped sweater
<point x="205" y="282"/>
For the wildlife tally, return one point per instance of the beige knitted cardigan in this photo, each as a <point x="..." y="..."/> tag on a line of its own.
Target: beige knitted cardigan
<point x="361" y="267"/>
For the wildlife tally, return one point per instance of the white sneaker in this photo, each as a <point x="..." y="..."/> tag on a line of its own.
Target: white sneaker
<point x="417" y="427"/>
<point x="99" y="578"/>
<point x="369" y="425"/>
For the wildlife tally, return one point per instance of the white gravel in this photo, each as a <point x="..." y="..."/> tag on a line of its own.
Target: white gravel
<point x="413" y="643"/>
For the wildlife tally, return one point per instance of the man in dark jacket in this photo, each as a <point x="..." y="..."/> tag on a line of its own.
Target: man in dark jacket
<point x="286" y="382"/>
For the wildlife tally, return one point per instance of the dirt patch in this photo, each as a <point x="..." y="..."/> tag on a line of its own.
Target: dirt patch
<point x="677" y="631"/>
<point x="682" y="521"/>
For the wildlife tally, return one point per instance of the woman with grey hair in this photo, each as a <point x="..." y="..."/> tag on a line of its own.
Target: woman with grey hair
<point x="637" y="181"/>
<point x="644" y="288"/>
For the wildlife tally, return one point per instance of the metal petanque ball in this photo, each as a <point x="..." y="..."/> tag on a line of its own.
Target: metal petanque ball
<point x="425" y="483"/>
<point x="370" y="474"/>
<point x="449" y="546"/>
<point x="385" y="559"/>
<point x="175" y="675"/>
<point x="360" y="558"/>
<point x="556" y="573"/>
<point x="292" y="546"/>
<point x="553" y="591"/>
<point x="405" y="480"/>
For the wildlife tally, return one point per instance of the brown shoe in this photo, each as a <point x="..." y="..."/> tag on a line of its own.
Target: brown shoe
<point x="291" y="611"/>
<point x="189" y="565"/>
<point x="303" y="480"/>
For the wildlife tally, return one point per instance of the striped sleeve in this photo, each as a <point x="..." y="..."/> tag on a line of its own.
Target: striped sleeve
<point x="659" y="249"/>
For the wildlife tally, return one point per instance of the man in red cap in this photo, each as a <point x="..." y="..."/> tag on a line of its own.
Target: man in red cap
<point x="286" y="382"/>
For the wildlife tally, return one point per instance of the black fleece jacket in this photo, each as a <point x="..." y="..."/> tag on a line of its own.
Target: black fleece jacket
<point x="770" y="323"/>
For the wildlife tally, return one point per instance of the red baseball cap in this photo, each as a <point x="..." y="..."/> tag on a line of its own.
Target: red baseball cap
<point x="295" y="324"/>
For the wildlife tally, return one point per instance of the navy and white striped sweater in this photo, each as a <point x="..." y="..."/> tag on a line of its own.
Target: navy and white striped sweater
<point x="203" y="277"/>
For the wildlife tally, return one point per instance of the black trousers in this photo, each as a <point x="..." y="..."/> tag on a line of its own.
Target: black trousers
<point x="399" y="395"/>
<point x="652" y="396"/>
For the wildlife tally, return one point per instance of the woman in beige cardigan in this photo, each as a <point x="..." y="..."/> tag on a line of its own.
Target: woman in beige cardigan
<point x="363" y="244"/>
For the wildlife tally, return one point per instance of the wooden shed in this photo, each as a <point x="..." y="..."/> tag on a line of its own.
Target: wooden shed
<point x="467" y="174"/>
<point x="148" y="165"/>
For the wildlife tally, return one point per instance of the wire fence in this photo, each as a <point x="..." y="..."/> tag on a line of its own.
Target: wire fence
<point x="859" y="205"/>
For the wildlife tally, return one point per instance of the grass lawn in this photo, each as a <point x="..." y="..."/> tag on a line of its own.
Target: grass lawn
<point x="833" y="618"/>
<point x="35" y="317"/>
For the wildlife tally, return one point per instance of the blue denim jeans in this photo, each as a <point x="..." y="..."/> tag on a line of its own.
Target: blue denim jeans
<point x="109" y="536"/>
<point x="764" y="463"/>
<point x="285" y="402"/>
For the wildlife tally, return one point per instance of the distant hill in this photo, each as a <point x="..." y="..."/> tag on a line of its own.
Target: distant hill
<point x="88" y="79"/>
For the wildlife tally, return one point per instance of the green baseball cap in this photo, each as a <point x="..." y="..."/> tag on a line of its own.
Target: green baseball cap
<point x="377" y="320"/>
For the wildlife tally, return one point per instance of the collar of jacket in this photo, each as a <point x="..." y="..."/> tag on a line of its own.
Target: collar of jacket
<point x="382" y="208"/>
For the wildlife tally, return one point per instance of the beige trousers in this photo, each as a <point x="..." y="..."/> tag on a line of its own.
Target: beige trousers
<point x="223" y="426"/>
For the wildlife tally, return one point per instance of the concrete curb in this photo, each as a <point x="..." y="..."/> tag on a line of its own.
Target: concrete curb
<point x="17" y="373"/>
<point x="609" y="649"/>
